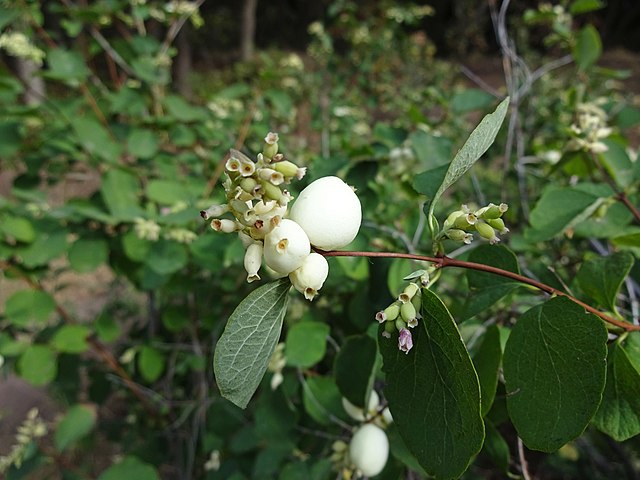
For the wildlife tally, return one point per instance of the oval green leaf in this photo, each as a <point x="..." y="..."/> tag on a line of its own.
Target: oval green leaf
<point x="554" y="368"/>
<point x="306" y="343"/>
<point x="434" y="394"/>
<point x="76" y="424"/>
<point x="355" y="368"/>
<point x="243" y="351"/>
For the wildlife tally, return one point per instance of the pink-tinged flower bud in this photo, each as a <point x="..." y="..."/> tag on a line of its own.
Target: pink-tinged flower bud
<point x="498" y="224"/>
<point x="214" y="211"/>
<point x="253" y="261"/>
<point x="486" y="231"/>
<point x="224" y="225"/>
<point x="310" y="276"/>
<point x="381" y="317"/>
<point x="405" y="340"/>
<point x="286" y="247"/>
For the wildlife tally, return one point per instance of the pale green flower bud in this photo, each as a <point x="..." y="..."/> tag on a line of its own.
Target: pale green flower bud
<point x="270" y="191"/>
<point x="270" y="175"/>
<point x="465" y="221"/>
<point x="408" y="293"/>
<point x="214" y="211"/>
<point x="388" y="314"/>
<point x="253" y="261"/>
<point x="408" y="312"/>
<point x="270" y="148"/>
<point x="486" y="231"/>
<point x="310" y="276"/>
<point x="290" y="169"/>
<point x="459" y="236"/>
<point x="498" y="224"/>
<point x="389" y="328"/>
<point x="225" y="225"/>
<point x="248" y="184"/>
<point x="452" y="218"/>
<point x="400" y="323"/>
<point x="492" y="211"/>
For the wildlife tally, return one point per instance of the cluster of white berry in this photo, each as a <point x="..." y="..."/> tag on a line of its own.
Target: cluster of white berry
<point x="326" y="216"/>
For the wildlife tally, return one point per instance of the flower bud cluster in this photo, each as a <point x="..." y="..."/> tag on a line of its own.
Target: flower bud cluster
<point x="487" y="221"/>
<point x="402" y="315"/>
<point x="589" y="129"/>
<point x="367" y="452"/>
<point x="32" y="428"/>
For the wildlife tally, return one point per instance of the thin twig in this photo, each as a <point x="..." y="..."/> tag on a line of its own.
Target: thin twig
<point x="444" y="261"/>
<point x="523" y="461"/>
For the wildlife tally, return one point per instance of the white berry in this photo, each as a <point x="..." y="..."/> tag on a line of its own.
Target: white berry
<point x="329" y="212"/>
<point x="286" y="247"/>
<point x="310" y="276"/>
<point x="369" y="449"/>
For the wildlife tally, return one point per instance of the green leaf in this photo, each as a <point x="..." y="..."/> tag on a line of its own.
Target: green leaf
<point x="433" y="393"/>
<point x="619" y="412"/>
<point x="96" y="139"/>
<point x="476" y="145"/>
<point x="120" y="192"/>
<point x="427" y="183"/>
<point x="150" y="363"/>
<point x="130" y="468"/>
<point x="558" y="209"/>
<point x="583" y="6"/>
<point x="617" y="163"/>
<point x="29" y="306"/>
<point x="306" y="343"/>
<point x="66" y="66"/>
<point x="554" y="369"/>
<point x="18" y="228"/>
<point x="71" y="339"/>
<point x="243" y="351"/>
<point x="322" y="399"/>
<point x="430" y="150"/>
<point x="601" y="277"/>
<point x="106" y="328"/>
<point x="85" y="255"/>
<point x="588" y="47"/>
<point x="38" y="365"/>
<point x="46" y="247"/>
<point x="355" y="368"/>
<point x="142" y="143"/>
<point x="183" y="111"/>
<point x="471" y="99"/>
<point x="166" y="257"/>
<point x="167" y="192"/>
<point x="76" y="424"/>
<point x="487" y="288"/>
<point x="496" y="447"/>
<point x="486" y="359"/>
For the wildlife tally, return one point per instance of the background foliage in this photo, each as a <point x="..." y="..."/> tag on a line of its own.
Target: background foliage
<point x="106" y="166"/>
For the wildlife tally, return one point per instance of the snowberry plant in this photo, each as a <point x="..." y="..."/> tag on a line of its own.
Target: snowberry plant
<point x="439" y="383"/>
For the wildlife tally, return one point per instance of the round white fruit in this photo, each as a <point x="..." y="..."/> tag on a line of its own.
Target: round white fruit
<point x="369" y="449"/>
<point x="286" y="247"/>
<point x="329" y="211"/>
<point x="310" y="276"/>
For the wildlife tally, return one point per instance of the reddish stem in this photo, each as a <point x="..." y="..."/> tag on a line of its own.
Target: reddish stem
<point x="444" y="261"/>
